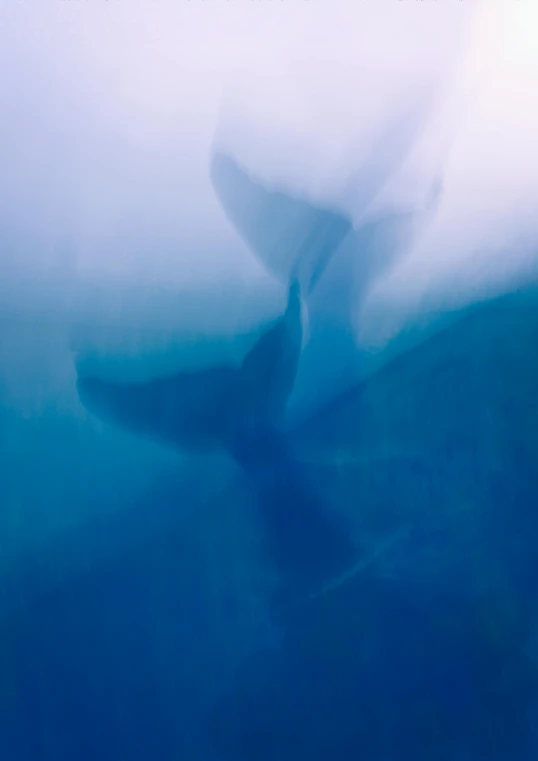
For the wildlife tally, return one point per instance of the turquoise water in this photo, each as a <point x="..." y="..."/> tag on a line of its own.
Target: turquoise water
<point x="142" y="613"/>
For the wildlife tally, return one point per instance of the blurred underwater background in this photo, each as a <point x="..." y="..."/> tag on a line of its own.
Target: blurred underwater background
<point x="268" y="382"/>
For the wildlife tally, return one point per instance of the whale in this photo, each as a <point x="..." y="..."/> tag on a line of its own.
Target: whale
<point x="248" y="407"/>
<point x="212" y="408"/>
<point x="239" y="409"/>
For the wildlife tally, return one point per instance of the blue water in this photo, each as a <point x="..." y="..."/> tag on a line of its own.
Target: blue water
<point x="144" y="615"/>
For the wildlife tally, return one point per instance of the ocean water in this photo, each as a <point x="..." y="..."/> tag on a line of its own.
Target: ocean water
<point x="141" y="610"/>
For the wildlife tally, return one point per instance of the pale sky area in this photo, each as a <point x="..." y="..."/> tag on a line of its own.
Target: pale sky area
<point x="110" y="110"/>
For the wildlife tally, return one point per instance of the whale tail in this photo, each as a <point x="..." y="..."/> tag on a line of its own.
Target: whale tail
<point x="305" y="541"/>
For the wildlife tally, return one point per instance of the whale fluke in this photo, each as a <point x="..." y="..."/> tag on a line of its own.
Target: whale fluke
<point x="292" y="237"/>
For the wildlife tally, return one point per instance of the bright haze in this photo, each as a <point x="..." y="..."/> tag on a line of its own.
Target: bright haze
<point x="110" y="110"/>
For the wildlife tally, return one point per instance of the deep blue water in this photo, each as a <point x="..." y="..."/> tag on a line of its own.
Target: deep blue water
<point x="150" y="618"/>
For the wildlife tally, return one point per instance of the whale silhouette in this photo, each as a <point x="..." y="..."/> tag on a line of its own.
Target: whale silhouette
<point x="212" y="408"/>
<point x="244" y="408"/>
<point x="336" y="260"/>
<point x="239" y="409"/>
